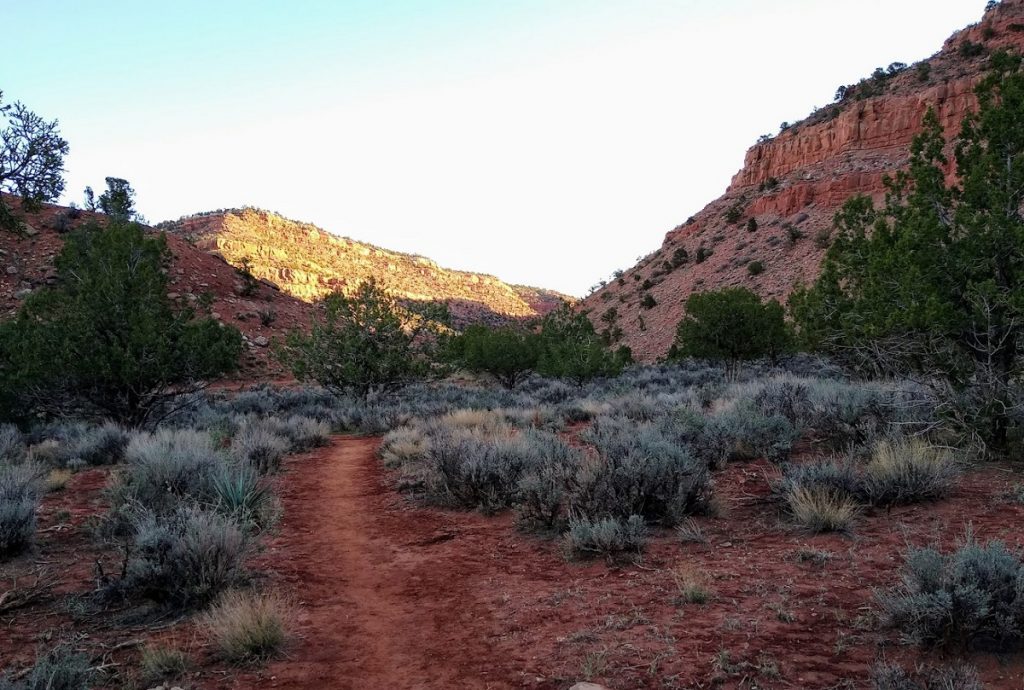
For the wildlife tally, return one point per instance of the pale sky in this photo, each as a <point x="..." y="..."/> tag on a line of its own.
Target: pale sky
<point x="548" y="142"/>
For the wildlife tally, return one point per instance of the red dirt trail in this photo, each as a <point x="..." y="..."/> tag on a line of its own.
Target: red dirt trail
<point x="391" y="594"/>
<point x="379" y="604"/>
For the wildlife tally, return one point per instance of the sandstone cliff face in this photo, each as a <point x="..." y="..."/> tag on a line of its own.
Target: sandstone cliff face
<point x="792" y="185"/>
<point x="308" y="263"/>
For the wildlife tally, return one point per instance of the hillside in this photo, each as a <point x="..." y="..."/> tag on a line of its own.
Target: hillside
<point x="308" y="262"/>
<point x="791" y="185"/>
<point x="26" y="264"/>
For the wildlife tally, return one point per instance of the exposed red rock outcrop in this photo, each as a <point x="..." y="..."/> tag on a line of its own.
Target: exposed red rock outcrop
<point x="308" y="262"/>
<point x="792" y="185"/>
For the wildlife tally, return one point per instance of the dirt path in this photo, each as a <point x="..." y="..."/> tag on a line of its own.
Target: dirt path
<point x="389" y="595"/>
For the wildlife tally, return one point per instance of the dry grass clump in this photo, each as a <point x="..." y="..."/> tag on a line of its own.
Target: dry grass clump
<point x="248" y="627"/>
<point x="485" y="422"/>
<point x="159" y="663"/>
<point x="691" y="586"/>
<point x="908" y="471"/>
<point x="57" y="480"/>
<point x="404" y="445"/>
<point x="821" y="510"/>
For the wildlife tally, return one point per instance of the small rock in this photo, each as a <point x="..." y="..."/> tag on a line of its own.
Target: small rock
<point x="173" y="295"/>
<point x="12" y="270"/>
<point x="215" y="315"/>
<point x="261" y="341"/>
<point x="588" y="686"/>
<point x="28" y="230"/>
<point x="23" y="293"/>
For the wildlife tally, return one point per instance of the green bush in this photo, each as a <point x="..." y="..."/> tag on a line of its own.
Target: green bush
<point x="363" y="343"/>
<point x="971" y="598"/>
<point x="755" y="268"/>
<point x="106" y="340"/>
<point x="731" y="325"/>
<point x="648" y="301"/>
<point x="508" y="354"/>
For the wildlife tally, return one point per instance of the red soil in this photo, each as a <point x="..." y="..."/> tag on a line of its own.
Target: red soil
<point x="390" y="594"/>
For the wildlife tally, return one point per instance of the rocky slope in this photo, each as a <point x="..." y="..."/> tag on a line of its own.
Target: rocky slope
<point x="197" y="279"/>
<point x="791" y="186"/>
<point x="308" y="262"/>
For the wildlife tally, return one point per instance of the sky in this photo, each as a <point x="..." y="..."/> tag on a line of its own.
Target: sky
<point x="548" y="142"/>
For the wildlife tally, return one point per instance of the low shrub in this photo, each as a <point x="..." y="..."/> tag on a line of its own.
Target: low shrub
<point x="183" y="559"/>
<point x="260" y="447"/>
<point x="638" y="471"/>
<point x="691" y="586"/>
<point x="897" y="473"/>
<point x="301" y="432"/>
<point x="907" y="471"/>
<point x="612" y="538"/>
<point x="62" y="668"/>
<point x="166" y="467"/>
<point x="161" y="663"/>
<point x="243" y="495"/>
<point x="470" y="470"/>
<point x="12" y="445"/>
<point x="247" y="627"/>
<point x="403" y="446"/>
<point x="821" y="510"/>
<point x="20" y="490"/>
<point x="541" y="500"/>
<point x="970" y="598"/>
<point x="100" y="445"/>
<point x="737" y="433"/>
<point x="885" y="676"/>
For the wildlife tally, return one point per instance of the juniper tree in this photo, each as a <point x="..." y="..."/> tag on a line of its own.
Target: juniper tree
<point x="931" y="284"/>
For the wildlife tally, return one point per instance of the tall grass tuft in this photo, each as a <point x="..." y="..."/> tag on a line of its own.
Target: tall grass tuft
<point x="247" y="627"/>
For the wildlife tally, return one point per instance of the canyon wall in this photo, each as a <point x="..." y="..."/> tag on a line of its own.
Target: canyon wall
<point x="792" y="184"/>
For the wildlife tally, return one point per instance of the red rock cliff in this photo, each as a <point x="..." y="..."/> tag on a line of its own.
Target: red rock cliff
<point x="792" y="185"/>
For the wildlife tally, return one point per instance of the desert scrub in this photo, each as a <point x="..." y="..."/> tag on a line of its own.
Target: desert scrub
<point x="691" y="586"/>
<point x="403" y="446"/>
<point x="20" y="490"/>
<point x="897" y="472"/>
<point x="541" y="504"/>
<point x="247" y="627"/>
<point x="244" y="496"/>
<point x="183" y="559"/>
<point x="821" y="510"/>
<point x="161" y="663"/>
<point x="611" y="538"/>
<point x="638" y="471"/>
<point x="302" y="433"/>
<point x="12" y="445"/>
<point x="468" y="469"/>
<point x="62" y="668"/>
<point x="165" y="468"/>
<point x="907" y="471"/>
<point x="740" y="432"/>
<point x="886" y="676"/>
<point x="972" y="598"/>
<point x="260" y="446"/>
